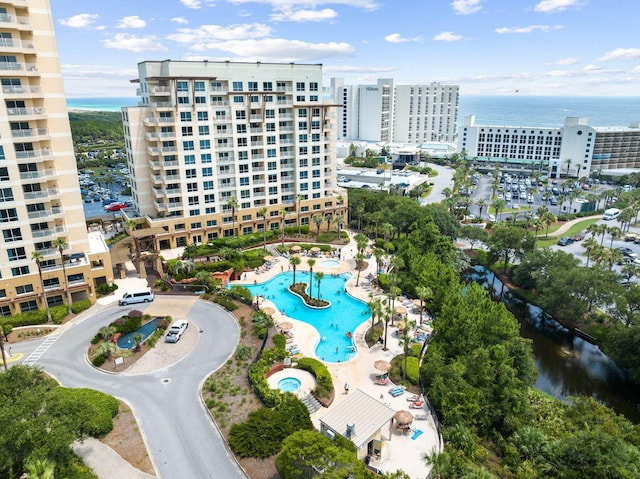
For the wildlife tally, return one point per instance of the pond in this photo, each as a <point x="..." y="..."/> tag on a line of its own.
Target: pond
<point x="567" y="365"/>
<point x="126" y="340"/>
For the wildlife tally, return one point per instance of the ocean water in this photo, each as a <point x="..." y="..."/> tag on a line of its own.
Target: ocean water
<point x="513" y="110"/>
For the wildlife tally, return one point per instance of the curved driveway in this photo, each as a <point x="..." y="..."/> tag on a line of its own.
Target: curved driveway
<point x="181" y="438"/>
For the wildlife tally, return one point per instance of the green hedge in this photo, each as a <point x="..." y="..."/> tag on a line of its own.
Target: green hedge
<point x="413" y="370"/>
<point x="261" y="435"/>
<point x="324" y="383"/>
<point x="241" y="293"/>
<point x="225" y="301"/>
<point x="93" y="411"/>
<point x="34" y="318"/>
<point x="80" y="306"/>
<point x="280" y="341"/>
<point x="269" y="397"/>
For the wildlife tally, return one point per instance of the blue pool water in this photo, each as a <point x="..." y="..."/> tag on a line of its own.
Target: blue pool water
<point x="344" y="315"/>
<point x="126" y="341"/>
<point x="289" y="385"/>
<point x="330" y="263"/>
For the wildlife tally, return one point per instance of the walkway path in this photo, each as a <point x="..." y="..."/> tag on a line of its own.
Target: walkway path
<point x="568" y="224"/>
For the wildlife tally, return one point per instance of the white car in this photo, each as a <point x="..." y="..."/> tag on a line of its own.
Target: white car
<point x="492" y="218"/>
<point x="174" y="333"/>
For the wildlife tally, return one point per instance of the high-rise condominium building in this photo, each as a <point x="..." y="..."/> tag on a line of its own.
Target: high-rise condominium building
<point x="388" y="112"/>
<point x="220" y="149"/>
<point x="41" y="208"/>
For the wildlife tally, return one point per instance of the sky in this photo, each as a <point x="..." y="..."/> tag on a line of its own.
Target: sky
<point x="487" y="47"/>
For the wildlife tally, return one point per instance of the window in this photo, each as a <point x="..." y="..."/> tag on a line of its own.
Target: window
<point x="301" y="98"/>
<point x="304" y="175"/>
<point x="191" y="173"/>
<point x="241" y="115"/>
<point x="187" y="131"/>
<point x="4" y="174"/>
<point x="203" y="116"/>
<point x="203" y="130"/>
<point x="210" y="198"/>
<point x="191" y="187"/>
<point x="313" y="86"/>
<point x="237" y="86"/>
<point x="238" y="99"/>
<point x="253" y="86"/>
<point x="206" y="144"/>
<point x="185" y="116"/>
<point x="198" y="86"/>
<point x="182" y="86"/>
<point x="24" y="289"/>
<point x="208" y="171"/>
<point x="300" y="86"/>
<point x="51" y="283"/>
<point x="302" y="113"/>
<point x="19" y="271"/>
<point x="187" y="145"/>
<point x="244" y="181"/>
<point x="267" y="86"/>
<point x="205" y="157"/>
<point x="183" y="100"/>
<point x="13" y="234"/>
<point x="28" y="306"/>
<point x="8" y="215"/>
<point x="207" y="185"/>
<point x="6" y="194"/>
<point x="189" y="159"/>
<point x="194" y="200"/>
<point x="5" y="311"/>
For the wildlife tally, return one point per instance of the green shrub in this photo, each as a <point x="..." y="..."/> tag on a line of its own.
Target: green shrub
<point x="131" y="324"/>
<point x="104" y="289"/>
<point x="301" y="290"/>
<point x="80" y="306"/>
<point x="93" y="411"/>
<point x="269" y="397"/>
<point x="96" y="339"/>
<point x="413" y="370"/>
<point x="415" y="350"/>
<point x="280" y="341"/>
<point x="261" y="435"/>
<point x="241" y="293"/>
<point x="225" y="301"/>
<point x="134" y="313"/>
<point x="243" y="352"/>
<point x="99" y="360"/>
<point x="324" y="383"/>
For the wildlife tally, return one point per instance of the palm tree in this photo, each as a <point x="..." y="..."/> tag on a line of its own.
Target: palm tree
<point x="311" y="263"/>
<point x="203" y="276"/>
<point x="283" y="213"/>
<point x="294" y="261"/>
<point x="602" y="230"/>
<point x="262" y="213"/>
<point x="106" y="349"/>
<point x="233" y="204"/>
<point x="589" y="245"/>
<point x="359" y="261"/>
<point x="319" y="277"/>
<point x="616" y="233"/>
<point x="107" y="332"/>
<point x="299" y="199"/>
<point x="424" y="293"/>
<point x="317" y="219"/>
<point x="375" y="306"/>
<point x="593" y="229"/>
<point x="378" y="254"/>
<point x="340" y="223"/>
<point x="405" y="342"/>
<point x="498" y="206"/>
<point x="37" y="257"/>
<point x="137" y="341"/>
<point x="61" y="244"/>
<point x="328" y="219"/>
<point x="548" y="218"/>
<point x="481" y="204"/>
<point x="39" y="469"/>
<point x="386" y="316"/>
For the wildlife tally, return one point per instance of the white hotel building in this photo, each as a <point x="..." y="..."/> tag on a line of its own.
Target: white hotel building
<point x="391" y="113"/>
<point x="41" y="208"/>
<point x="206" y="135"/>
<point x="575" y="149"/>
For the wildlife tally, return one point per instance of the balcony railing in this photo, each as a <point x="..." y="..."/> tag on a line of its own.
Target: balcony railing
<point x="49" y="233"/>
<point x="21" y="90"/>
<point x="46" y="173"/>
<point x="33" y="154"/>
<point x="10" y="43"/>
<point x="14" y="20"/>
<point x="42" y="195"/>
<point x="26" y="111"/>
<point x="18" y="67"/>
<point x="30" y="133"/>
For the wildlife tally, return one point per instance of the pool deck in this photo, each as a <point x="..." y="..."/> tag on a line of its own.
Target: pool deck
<point x="399" y="451"/>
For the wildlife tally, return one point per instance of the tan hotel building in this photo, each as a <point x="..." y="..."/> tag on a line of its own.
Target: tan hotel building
<point x="210" y="139"/>
<point x="39" y="190"/>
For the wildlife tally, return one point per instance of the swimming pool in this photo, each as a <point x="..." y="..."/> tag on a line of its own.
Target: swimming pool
<point x="333" y="323"/>
<point x="126" y="340"/>
<point x="330" y="263"/>
<point x="289" y="385"/>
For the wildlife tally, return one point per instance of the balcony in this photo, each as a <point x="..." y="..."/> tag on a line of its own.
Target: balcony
<point x="31" y="175"/>
<point x="174" y="206"/>
<point x="49" y="233"/>
<point x="13" y="21"/>
<point x="162" y="150"/>
<point x="21" y="91"/>
<point x="31" y="155"/>
<point x="255" y="117"/>
<point x="154" y="135"/>
<point x="31" y="133"/>
<point x="172" y="193"/>
<point x="14" y="45"/>
<point x="27" y="112"/>
<point x="45" y="195"/>
<point x="151" y="120"/>
<point x="160" y="90"/>
<point x="160" y="206"/>
<point x="159" y="104"/>
<point x="222" y="119"/>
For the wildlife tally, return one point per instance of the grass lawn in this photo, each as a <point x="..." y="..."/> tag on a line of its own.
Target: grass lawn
<point x="575" y="229"/>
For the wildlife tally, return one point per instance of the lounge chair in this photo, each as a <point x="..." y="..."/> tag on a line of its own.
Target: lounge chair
<point x="396" y="391"/>
<point x="382" y="380"/>
<point x="413" y="398"/>
<point x="419" y="404"/>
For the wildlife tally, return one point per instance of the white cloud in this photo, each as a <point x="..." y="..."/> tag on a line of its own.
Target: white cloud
<point x="529" y="29"/>
<point x="396" y="38"/>
<point x="621" y="53"/>
<point x="356" y="69"/>
<point x="466" y="7"/>
<point x="124" y="41"/>
<point x="279" y="5"/>
<point x="210" y="33"/>
<point x="98" y="80"/>
<point x="447" y="37"/>
<point x="195" y="4"/>
<point x="281" y="49"/>
<point x="549" y="6"/>
<point x="304" y="15"/>
<point x="133" y="21"/>
<point x="83" y="20"/>
<point x="180" y="20"/>
<point x="567" y="61"/>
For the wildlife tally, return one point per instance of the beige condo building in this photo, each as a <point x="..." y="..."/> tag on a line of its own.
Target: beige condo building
<point x="211" y="144"/>
<point x="41" y="208"/>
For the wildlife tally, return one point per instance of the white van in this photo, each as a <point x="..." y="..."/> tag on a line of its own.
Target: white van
<point x="611" y="214"/>
<point x="139" y="296"/>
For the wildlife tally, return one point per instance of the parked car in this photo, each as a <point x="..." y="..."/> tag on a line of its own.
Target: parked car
<point x="492" y="218"/>
<point x="175" y="331"/>
<point x="564" y="241"/>
<point x="624" y="250"/>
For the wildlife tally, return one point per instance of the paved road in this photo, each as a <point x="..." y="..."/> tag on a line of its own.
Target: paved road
<point x="182" y="440"/>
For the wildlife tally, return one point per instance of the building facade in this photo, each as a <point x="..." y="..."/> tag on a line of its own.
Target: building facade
<point x="575" y="149"/>
<point x="387" y="112"/>
<point x="41" y="209"/>
<point x="218" y="149"/>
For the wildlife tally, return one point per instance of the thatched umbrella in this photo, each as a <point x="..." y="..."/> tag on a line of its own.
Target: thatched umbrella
<point x="382" y="365"/>
<point x="295" y="248"/>
<point x="315" y="249"/>
<point x="403" y="418"/>
<point x="417" y="302"/>
<point x="401" y="309"/>
<point x="285" y="326"/>
<point x="268" y="310"/>
<point x="269" y="258"/>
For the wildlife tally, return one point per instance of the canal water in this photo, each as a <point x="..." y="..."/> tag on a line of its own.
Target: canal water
<point x="567" y="365"/>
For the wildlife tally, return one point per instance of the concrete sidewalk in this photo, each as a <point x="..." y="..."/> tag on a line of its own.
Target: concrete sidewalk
<point x="105" y="462"/>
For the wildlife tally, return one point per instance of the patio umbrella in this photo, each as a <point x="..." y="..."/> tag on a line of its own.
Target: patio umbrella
<point x="315" y="249"/>
<point x="268" y="310"/>
<point x="382" y="365"/>
<point x="401" y="309"/>
<point x="285" y="326"/>
<point x="403" y="418"/>
<point x="268" y="258"/>
<point x="295" y="248"/>
<point x="417" y="302"/>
